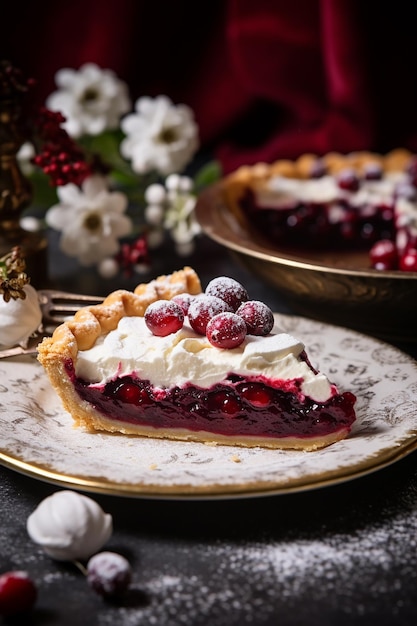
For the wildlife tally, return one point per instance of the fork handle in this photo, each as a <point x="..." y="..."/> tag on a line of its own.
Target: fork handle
<point x="69" y="296"/>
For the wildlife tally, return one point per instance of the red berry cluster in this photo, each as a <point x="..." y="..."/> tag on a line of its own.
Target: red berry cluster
<point x="224" y="314"/>
<point x="132" y="254"/>
<point x="60" y="158"/>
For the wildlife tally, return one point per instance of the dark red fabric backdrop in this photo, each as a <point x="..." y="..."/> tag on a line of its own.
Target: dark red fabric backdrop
<point x="266" y="79"/>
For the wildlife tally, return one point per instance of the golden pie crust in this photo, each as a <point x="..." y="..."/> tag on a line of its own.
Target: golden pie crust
<point x="82" y="331"/>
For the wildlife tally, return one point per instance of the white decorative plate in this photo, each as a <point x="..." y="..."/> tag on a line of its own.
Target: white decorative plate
<point x="38" y="437"/>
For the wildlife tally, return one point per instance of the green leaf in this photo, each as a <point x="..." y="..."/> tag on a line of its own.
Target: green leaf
<point x="44" y="194"/>
<point x="107" y="147"/>
<point x="210" y="173"/>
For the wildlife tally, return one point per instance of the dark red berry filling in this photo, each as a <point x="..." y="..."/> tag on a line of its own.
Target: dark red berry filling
<point x="236" y="406"/>
<point x="311" y="224"/>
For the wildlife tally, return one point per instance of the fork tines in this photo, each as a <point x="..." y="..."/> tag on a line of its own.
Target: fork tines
<point x="58" y="306"/>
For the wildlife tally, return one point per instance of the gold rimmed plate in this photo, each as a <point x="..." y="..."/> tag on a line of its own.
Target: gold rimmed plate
<point x="39" y="438"/>
<point x="335" y="287"/>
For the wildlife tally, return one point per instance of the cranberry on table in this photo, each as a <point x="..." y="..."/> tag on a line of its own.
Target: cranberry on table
<point x="226" y="330"/>
<point x="164" y="317"/>
<point x="18" y="593"/>
<point x="109" y="574"/>
<point x="227" y="289"/>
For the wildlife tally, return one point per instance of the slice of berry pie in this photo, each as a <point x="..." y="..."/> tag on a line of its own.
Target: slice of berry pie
<point x="172" y="361"/>
<point x="360" y="200"/>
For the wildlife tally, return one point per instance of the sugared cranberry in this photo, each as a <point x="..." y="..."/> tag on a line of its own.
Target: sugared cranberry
<point x="109" y="574"/>
<point x="183" y="300"/>
<point x="164" y="317"/>
<point x="408" y="261"/>
<point x="383" y="255"/>
<point x="131" y="393"/>
<point x="257" y="394"/>
<point x="18" y="593"/>
<point x="348" y="180"/>
<point x="258" y="317"/>
<point x="226" y="330"/>
<point x="372" y="171"/>
<point x="202" y="309"/>
<point x="227" y="289"/>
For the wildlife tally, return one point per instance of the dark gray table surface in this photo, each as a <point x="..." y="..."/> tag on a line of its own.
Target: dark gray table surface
<point x="344" y="555"/>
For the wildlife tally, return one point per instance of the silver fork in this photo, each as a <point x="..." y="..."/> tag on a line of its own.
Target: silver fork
<point x="56" y="307"/>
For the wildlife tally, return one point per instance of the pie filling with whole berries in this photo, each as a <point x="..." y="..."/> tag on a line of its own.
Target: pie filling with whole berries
<point x="361" y="200"/>
<point x="171" y="361"/>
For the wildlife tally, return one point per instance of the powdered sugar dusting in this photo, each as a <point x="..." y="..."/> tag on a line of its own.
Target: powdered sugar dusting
<point x="248" y="582"/>
<point x="258" y="317"/>
<point x="227" y="289"/>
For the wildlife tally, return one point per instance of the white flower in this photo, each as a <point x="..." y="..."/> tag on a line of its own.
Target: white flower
<point x="91" y="99"/>
<point x="159" y="136"/>
<point x="91" y="220"/>
<point x="182" y="224"/>
<point x="172" y="207"/>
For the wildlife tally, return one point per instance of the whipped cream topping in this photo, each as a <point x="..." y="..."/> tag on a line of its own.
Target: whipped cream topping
<point x="283" y="191"/>
<point x="69" y="526"/>
<point x="186" y="357"/>
<point x="19" y="319"/>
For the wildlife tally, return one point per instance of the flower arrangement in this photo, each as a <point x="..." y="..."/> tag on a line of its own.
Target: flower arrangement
<point x="114" y="181"/>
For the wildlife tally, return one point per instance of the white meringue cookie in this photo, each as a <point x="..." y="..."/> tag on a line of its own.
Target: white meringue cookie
<point x="69" y="526"/>
<point x="19" y="318"/>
